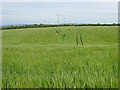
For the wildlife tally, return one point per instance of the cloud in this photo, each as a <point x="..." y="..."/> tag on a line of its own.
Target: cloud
<point x="60" y="0"/>
<point x="82" y="12"/>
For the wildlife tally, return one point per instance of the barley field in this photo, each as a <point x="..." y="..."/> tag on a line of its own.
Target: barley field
<point x="38" y="58"/>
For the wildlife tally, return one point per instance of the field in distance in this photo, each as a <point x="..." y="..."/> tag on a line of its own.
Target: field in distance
<point x="38" y="58"/>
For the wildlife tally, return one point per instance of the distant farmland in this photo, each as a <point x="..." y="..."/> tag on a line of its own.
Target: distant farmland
<point x="38" y="58"/>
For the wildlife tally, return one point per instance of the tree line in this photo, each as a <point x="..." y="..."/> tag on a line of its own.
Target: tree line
<point x="53" y="25"/>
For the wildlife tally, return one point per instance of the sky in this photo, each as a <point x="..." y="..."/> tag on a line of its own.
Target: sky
<point x="14" y="13"/>
<point x="60" y="0"/>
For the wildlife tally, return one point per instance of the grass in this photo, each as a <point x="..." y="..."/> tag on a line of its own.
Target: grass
<point x="38" y="58"/>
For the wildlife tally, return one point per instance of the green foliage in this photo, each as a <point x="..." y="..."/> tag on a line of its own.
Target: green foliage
<point x="54" y="25"/>
<point x="38" y="58"/>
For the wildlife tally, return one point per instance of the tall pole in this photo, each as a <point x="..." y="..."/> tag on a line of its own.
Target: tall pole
<point x="58" y="22"/>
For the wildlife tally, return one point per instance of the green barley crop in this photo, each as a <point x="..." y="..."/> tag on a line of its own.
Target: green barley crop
<point x="38" y="58"/>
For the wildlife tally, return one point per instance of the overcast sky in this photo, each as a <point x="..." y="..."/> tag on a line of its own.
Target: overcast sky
<point x="70" y="12"/>
<point x="60" y="0"/>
